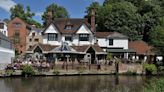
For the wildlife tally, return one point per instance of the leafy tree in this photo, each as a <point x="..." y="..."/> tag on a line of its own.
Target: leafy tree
<point x="25" y="14"/>
<point x="134" y="18"/>
<point x="157" y="37"/>
<point x="120" y="17"/>
<point x="94" y="6"/>
<point x="57" y="12"/>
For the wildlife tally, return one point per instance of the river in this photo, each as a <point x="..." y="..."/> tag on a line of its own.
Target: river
<point x="103" y="83"/>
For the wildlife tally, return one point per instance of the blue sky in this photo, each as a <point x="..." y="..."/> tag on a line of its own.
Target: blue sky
<point x="75" y="8"/>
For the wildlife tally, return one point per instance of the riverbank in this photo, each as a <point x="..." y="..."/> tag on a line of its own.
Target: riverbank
<point x="124" y="69"/>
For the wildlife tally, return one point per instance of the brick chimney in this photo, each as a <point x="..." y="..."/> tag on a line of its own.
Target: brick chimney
<point x="93" y="27"/>
<point x="49" y="17"/>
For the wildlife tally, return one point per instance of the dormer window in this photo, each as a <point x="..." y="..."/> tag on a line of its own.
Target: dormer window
<point x="68" y="27"/>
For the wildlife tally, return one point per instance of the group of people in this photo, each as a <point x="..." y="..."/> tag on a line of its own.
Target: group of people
<point x="40" y="65"/>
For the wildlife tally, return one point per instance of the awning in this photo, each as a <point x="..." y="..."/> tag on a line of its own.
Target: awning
<point x="120" y="50"/>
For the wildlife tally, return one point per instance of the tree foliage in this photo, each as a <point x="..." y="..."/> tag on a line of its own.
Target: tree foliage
<point x="120" y="17"/>
<point x="157" y="38"/>
<point x="138" y="19"/>
<point x="23" y="13"/>
<point x="58" y="12"/>
<point x="94" y="6"/>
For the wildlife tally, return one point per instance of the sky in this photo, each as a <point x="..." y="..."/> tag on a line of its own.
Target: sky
<point x="75" y="8"/>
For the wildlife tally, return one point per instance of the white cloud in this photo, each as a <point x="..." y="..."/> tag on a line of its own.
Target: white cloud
<point x="38" y="14"/>
<point x="7" y="4"/>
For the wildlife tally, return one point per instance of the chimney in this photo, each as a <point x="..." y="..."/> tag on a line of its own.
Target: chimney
<point x="49" y="17"/>
<point x="93" y="27"/>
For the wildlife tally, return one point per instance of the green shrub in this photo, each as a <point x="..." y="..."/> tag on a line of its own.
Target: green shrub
<point x="109" y="56"/>
<point x="81" y="69"/>
<point x="9" y="72"/>
<point x="131" y="72"/>
<point x="56" y="71"/>
<point x="155" y="85"/>
<point x="28" y="70"/>
<point x="150" y="68"/>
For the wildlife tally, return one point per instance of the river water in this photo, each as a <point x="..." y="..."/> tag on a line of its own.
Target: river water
<point x="105" y="83"/>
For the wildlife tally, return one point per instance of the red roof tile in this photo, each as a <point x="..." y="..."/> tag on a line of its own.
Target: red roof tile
<point x="140" y="47"/>
<point x="103" y="34"/>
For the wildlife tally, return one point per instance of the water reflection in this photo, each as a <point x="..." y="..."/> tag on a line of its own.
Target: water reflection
<point x="73" y="84"/>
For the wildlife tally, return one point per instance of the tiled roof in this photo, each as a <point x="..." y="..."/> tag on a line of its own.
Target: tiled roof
<point x="103" y="34"/>
<point x="117" y="35"/>
<point x="82" y="49"/>
<point x="76" y="23"/>
<point x="44" y="47"/>
<point x="140" y="47"/>
<point x="110" y="35"/>
<point x="97" y="48"/>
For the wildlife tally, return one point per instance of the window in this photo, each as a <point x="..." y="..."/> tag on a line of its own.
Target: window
<point x="52" y="37"/>
<point x="4" y="32"/>
<point x="68" y="38"/>
<point x="17" y="25"/>
<point x="21" y="46"/>
<point x="30" y="40"/>
<point x="84" y="37"/>
<point x="68" y="27"/>
<point x="33" y="34"/>
<point x="1" y="25"/>
<point x="110" y="41"/>
<point x="30" y="46"/>
<point x="36" y="40"/>
<point x="16" y="36"/>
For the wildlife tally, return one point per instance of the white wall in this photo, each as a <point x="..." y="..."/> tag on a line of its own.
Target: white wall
<point x="4" y="31"/>
<point x="120" y="43"/>
<point x="6" y="56"/>
<point x="117" y="43"/>
<point x="52" y="29"/>
<point x="75" y="37"/>
<point x="102" y="42"/>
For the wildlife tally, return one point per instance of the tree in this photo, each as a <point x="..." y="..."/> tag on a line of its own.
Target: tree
<point x="121" y="17"/>
<point x="157" y="38"/>
<point x="25" y="14"/>
<point x="134" y="18"/>
<point x="94" y="6"/>
<point x="57" y="12"/>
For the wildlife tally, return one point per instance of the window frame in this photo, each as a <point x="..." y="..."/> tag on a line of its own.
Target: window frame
<point x="83" y="37"/>
<point x="68" y="38"/>
<point x="52" y="37"/>
<point x="110" y="42"/>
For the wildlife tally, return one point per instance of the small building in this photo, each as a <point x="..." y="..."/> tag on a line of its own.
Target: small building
<point x="3" y="28"/>
<point x="17" y="32"/>
<point x="34" y="37"/>
<point x="55" y="53"/>
<point x="7" y="52"/>
<point x="141" y="48"/>
<point x="114" y="42"/>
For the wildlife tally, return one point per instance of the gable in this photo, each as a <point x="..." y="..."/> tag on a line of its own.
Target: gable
<point x="83" y="29"/>
<point x="51" y="29"/>
<point x="30" y="34"/>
